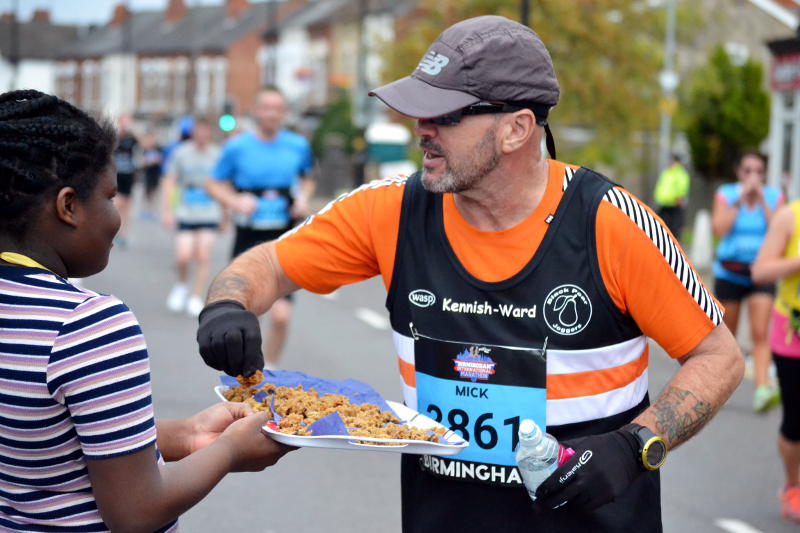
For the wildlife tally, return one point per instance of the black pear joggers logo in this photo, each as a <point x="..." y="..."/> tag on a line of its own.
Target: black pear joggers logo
<point x="567" y="309"/>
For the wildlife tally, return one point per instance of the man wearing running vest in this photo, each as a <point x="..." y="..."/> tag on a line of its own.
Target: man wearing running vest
<point x="518" y="287"/>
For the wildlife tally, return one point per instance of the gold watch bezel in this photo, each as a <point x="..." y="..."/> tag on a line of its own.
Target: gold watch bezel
<point x="646" y="448"/>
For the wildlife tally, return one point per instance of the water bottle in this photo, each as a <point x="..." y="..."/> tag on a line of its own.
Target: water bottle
<point x="538" y="455"/>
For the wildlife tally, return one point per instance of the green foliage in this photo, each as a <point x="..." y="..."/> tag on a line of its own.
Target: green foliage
<point x="726" y="111"/>
<point x="335" y="125"/>
<point x="607" y="54"/>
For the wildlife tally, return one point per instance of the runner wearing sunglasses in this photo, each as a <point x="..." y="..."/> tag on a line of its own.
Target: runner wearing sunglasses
<point x="518" y="287"/>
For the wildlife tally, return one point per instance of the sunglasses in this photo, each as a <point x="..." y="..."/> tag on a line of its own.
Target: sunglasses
<point x="481" y="108"/>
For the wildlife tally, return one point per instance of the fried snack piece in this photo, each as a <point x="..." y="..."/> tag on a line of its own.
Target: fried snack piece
<point x="300" y="408"/>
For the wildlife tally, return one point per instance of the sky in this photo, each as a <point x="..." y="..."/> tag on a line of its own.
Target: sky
<point x="86" y="11"/>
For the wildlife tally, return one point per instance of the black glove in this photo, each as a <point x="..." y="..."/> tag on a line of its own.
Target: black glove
<point x="602" y="468"/>
<point x="230" y="338"/>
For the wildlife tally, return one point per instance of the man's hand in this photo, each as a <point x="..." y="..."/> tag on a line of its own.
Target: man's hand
<point x="208" y="424"/>
<point x="229" y="337"/>
<point x="602" y="468"/>
<point x="245" y="203"/>
<point x="301" y="208"/>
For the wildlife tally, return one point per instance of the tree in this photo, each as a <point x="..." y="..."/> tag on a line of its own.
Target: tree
<point x="335" y="124"/>
<point x="607" y="54"/>
<point x="726" y="111"/>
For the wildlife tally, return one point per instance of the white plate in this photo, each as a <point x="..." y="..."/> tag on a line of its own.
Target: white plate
<point x="453" y="444"/>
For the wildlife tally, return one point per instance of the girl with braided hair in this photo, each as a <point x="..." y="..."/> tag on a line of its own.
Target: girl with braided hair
<point x="79" y="447"/>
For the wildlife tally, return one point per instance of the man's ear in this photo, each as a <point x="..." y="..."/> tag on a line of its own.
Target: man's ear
<point x="67" y="206"/>
<point x="519" y="129"/>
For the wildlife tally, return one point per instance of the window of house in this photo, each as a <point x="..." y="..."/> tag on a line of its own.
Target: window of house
<point x="202" y="91"/>
<point x="181" y="71"/>
<point x="91" y="97"/>
<point x="220" y="84"/>
<point x="66" y="82"/>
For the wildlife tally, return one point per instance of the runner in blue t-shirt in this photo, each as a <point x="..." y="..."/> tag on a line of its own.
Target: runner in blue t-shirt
<point x="264" y="178"/>
<point x="740" y="217"/>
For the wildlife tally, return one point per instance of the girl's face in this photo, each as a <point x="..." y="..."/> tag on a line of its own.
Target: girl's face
<point x="99" y="222"/>
<point x="751" y="169"/>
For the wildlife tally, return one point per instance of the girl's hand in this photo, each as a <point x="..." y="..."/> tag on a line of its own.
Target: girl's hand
<point x="249" y="448"/>
<point x="210" y="423"/>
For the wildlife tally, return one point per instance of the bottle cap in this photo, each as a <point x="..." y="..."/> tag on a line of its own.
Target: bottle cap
<point x="528" y="428"/>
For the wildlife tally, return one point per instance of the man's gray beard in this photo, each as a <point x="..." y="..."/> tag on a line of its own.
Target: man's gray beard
<point x="464" y="178"/>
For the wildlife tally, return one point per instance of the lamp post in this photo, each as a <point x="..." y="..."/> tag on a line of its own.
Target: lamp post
<point x="14" y="50"/>
<point x="668" y="80"/>
<point x="524" y="11"/>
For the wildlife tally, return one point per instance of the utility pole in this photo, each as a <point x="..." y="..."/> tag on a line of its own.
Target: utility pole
<point x="668" y="80"/>
<point x="270" y="74"/>
<point x="524" y="12"/>
<point x="128" y="85"/>
<point x="361" y="118"/>
<point x="14" y="51"/>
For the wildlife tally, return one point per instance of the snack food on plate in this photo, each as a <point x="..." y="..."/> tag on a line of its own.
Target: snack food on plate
<point x="298" y="409"/>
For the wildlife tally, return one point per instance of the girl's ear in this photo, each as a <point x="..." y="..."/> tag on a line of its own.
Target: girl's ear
<point x="66" y="206"/>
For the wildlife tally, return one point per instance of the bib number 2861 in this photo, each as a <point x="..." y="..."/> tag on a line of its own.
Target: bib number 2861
<point x="481" y="430"/>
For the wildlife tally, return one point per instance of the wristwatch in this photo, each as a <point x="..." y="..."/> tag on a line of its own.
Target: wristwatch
<point x="652" y="448"/>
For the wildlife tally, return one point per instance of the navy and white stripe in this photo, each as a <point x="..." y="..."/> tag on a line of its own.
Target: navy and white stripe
<point x="74" y="384"/>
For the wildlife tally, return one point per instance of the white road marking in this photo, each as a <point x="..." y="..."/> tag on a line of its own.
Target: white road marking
<point x="376" y="320"/>
<point x="735" y="526"/>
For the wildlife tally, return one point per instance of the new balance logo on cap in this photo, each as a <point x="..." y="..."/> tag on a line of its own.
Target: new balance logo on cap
<point x="433" y="63"/>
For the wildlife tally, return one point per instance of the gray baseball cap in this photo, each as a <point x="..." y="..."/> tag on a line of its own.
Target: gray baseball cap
<point x="488" y="58"/>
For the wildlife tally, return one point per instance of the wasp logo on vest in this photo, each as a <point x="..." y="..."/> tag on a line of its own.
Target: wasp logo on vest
<point x="567" y="309"/>
<point x="473" y="365"/>
<point x="422" y="298"/>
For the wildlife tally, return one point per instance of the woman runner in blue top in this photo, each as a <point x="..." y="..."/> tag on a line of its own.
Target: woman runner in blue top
<point x="740" y="217"/>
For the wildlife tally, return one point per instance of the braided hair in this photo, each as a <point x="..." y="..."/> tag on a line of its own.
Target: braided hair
<point x="46" y="144"/>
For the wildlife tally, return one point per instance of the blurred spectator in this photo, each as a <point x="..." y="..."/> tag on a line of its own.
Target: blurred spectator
<point x="126" y="155"/>
<point x="739" y="218"/>
<point x="672" y="190"/>
<point x="151" y="172"/>
<point x="193" y="213"/>
<point x="779" y="260"/>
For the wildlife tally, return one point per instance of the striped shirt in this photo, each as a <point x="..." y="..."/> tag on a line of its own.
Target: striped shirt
<point x="74" y="384"/>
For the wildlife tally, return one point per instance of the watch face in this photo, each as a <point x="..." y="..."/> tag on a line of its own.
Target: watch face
<point x="656" y="452"/>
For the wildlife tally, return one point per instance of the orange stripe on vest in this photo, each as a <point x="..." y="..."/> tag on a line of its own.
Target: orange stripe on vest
<point x="580" y="384"/>
<point x="408" y="372"/>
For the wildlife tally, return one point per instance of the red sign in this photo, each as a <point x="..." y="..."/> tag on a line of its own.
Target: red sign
<point x="786" y="72"/>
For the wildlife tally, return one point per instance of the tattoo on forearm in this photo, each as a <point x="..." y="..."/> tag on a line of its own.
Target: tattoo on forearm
<point x="228" y="286"/>
<point x="680" y="414"/>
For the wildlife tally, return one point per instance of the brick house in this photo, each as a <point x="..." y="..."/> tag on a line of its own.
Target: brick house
<point x="28" y="50"/>
<point x="162" y="64"/>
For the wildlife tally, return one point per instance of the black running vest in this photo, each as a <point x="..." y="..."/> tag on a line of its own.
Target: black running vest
<point x="478" y="348"/>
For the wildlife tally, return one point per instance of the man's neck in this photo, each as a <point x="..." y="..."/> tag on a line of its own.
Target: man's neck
<point x="267" y="135"/>
<point x="505" y="197"/>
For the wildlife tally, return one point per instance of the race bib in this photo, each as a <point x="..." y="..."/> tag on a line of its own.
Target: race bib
<point x="482" y="392"/>
<point x="272" y="211"/>
<point x="196" y="196"/>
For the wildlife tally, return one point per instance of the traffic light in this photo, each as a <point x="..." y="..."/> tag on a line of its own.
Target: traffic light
<point x="227" y="122"/>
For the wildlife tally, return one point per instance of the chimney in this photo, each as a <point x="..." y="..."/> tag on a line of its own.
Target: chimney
<point x="236" y="7"/>
<point x="120" y="16"/>
<point x="176" y="9"/>
<point x="41" y="15"/>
